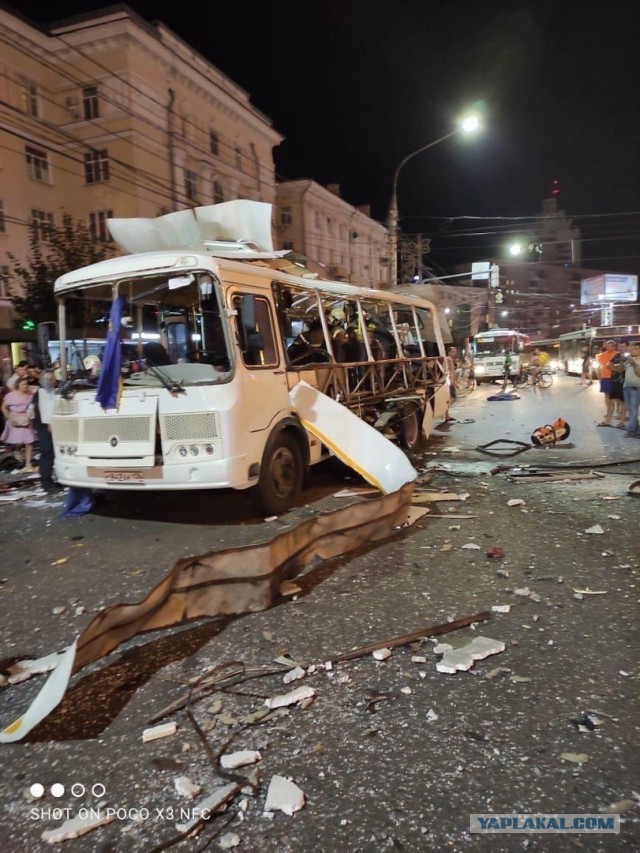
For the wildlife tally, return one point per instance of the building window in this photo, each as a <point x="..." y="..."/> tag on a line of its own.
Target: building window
<point x="4" y="282"/>
<point x="41" y="224"/>
<point x="96" y="167"/>
<point x="286" y="217"/>
<point x="316" y="219"/>
<point x="288" y="245"/>
<point x="3" y="224"/>
<point x="90" y="106"/>
<point x="37" y="164"/>
<point x="214" y="143"/>
<point x="191" y="185"/>
<point x="98" y="226"/>
<point x="238" y="159"/>
<point x="218" y="192"/>
<point x="30" y="99"/>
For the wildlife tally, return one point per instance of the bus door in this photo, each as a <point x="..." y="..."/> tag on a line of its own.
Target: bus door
<point x="264" y="394"/>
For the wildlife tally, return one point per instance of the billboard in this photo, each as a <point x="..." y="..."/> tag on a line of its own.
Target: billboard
<point x="609" y="287"/>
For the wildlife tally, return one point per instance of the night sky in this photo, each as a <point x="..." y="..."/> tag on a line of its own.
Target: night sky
<point x="355" y="85"/>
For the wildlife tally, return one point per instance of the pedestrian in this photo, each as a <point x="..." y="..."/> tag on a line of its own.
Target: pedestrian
<point x="585" y="376"/>
<point x="43" y="418"/>
<point x="18" y="410"/>
<point x="631" y="388"/>
<point x="21" y="369"/>
<point x="603" y="358"/>
<point x="617" y="367"/>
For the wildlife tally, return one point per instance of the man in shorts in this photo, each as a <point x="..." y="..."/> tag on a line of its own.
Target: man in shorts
<point x="604" y="370"/>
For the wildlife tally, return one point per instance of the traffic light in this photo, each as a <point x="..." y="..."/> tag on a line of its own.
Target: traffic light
<point x="28" y="325"/>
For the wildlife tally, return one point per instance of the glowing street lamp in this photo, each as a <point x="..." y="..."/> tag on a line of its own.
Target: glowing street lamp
<point x="470" y="124"/>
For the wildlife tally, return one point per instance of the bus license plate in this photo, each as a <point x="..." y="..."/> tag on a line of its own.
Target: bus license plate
<point x="124" y="477"/>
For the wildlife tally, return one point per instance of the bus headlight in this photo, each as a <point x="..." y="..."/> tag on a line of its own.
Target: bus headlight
<point x="194" y="450"/>
<point x="479" y="369"/>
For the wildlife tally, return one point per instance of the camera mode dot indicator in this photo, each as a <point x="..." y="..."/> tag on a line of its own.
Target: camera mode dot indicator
<point x="37" y="790"/>
<point x="57" y="790"/>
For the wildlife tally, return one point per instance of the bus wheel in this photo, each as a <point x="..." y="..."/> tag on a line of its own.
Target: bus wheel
<point x="411" y="426"/>
<point x="281" y="475"/>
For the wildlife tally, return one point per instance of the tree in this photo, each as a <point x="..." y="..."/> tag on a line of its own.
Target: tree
<point x="64" y="248"/>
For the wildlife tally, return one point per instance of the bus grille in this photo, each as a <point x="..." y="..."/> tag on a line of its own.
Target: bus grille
<point x="124" y="428"/>
<point x="67" y="430"/>
<point x="64" y="407"/>
<point x="190" y="427"/>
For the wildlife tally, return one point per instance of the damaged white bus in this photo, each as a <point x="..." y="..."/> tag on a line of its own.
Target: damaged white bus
<point x="216" y="331"/>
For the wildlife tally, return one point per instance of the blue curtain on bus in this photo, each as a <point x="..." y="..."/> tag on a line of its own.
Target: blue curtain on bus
<point x="109" y="381"/>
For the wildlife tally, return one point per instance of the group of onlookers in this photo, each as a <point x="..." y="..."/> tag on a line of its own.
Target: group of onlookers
<point x="27" y="411"/>
<point x="619" y="369"/>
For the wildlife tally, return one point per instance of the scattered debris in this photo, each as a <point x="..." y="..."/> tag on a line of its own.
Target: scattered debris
<point x="495" y="553"/>
<point x="470" y="546"/>
<point x="209" y="805"/>
<point x="294" y="674"/>
<point x="501" y="608"/>
<point x="229" y="840"/>
<point x="520" y="679"/>
<point x="24" y="669"/>
<point x="525" y="592"/>
<point x="575" y="757"/>
<point x="620" y="807"/>
<point x="494" y="673"/>
<point x="163" y="730"/>
<point x="431" y="715"/>
<point x="284" y="795"/>
<point x="381" y="654"/>
<point x="186" y="788"/>
<point x="516" y="502"/>
<point x="77" y="826"/>
<point x="587" y="722"/>
<point x="434" y="631"/>
<point x="240" y="759"/>
<point x="292" y="698"/>
<point x="595" y="529"/>
<point x="588" y="591"/>
<point x="356" y="492"/>
<point x="463" y="658"/>
<point x="288" y="588"/>
<point x="435" y="497"/>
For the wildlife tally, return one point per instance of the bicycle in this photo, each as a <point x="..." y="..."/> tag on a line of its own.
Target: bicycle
<point x="525" y="378"/>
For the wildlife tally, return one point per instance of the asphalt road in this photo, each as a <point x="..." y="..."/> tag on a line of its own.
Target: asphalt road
<point x="391" y="754"/>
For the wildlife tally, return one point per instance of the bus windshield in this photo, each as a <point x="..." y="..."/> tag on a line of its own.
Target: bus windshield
<point x="170" y="325"/>
<point x="497" y="344"/>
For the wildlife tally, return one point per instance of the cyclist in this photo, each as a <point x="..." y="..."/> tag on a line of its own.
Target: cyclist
<point x="537" y="364"/>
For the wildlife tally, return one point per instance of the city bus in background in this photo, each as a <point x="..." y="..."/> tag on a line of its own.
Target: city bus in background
<point x="551" y="347"/>
<point x="573" y="345"/>
<point x="489" y="351"/>
<point x="219" y="332"/>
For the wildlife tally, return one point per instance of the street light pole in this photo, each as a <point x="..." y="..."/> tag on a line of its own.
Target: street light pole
<point x="468" y="125"/>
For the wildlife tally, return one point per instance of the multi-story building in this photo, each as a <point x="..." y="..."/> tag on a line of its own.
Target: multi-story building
<point x="105" y="114"/>
<point x="538" y="291"/>
<point x="340" y="241"/>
